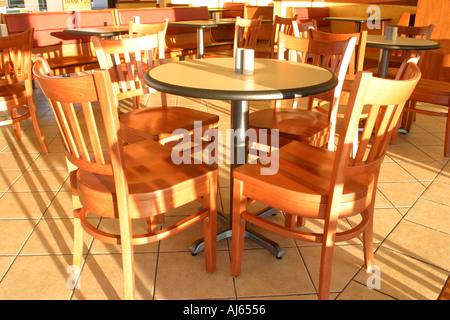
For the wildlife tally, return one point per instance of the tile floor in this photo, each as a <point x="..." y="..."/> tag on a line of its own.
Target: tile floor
<point x="412" y="232"/>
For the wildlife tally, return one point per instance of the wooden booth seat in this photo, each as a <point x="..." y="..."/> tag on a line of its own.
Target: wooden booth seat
<point x="179" y="40"/>
<point x="318" y="14"/>
<point x="64" y="52"/>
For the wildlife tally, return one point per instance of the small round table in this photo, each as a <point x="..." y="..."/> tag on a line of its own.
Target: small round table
<point x="215" y="78"/>
<point x="401" y="43"/>
<point x="357" y="20"/>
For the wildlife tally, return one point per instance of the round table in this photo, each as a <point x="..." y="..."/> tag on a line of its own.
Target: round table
<point x="401" y="43"/>
<point x="215" y="78"/>
<point x="357" y="20"/>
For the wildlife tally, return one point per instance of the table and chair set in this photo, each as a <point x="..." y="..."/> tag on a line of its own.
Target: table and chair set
<point x="121" y="166"/>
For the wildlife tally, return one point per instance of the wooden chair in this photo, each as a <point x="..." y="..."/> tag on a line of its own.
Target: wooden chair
<point x="279" y="24"/>
<point x="325" y="185"/>
<point x="306" y="125"/>
<point x="246" y="33"/>
<point x="301" y="29"/>
<point x="356" y="64"/>
<point x="16" y="89"/>
<point x="433" y="92"/>
<point x="120" y="182"/>
<point x="128" y="60"/>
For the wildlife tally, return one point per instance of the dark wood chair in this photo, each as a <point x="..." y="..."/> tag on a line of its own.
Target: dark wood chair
<point x="128" y="60"/>
<point x="356" y="64"/>
<point x="306" y="125"/>
<point x="122" y="182"/>
<point x="320" y="184"/>
<point x="279" y="24"/>
<point x="16" y="88"/>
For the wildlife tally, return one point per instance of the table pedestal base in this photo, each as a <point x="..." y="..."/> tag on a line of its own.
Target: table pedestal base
<point x="239" y="123"/>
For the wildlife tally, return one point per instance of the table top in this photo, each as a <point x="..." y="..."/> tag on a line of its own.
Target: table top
<point x="208" y="23"/>
<point x="402" y="43"/>
<point x="107" y="31"/>
<point x="356" y="19"/>
<point x="215" y="79"/>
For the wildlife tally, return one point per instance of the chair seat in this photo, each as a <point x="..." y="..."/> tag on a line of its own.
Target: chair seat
<point x="304" y="174"/>
<point x="293" y="124"/>
<point x="158" y="123"/>
<point x="153" y="179"/>
<point x="11" y="93"/>
<point x="432" y="91"/>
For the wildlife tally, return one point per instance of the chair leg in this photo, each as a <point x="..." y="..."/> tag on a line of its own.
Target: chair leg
<point x="77" y="238"/>
<point x="447" y="135"/>
<point x="411" y="115"/>
<point x="127" y="256"/>
<point x="368" y="241"/>
<point x="326" y="259"/>
<point x="210" y="228"/>
<point x="16" y="125"/>
<point x="136" y="102"/>
<point x="34" y="118"/>
<point x="238" y="229"/>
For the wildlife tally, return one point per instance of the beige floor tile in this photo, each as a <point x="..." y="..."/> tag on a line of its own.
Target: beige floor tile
<point x="175" y="268"/>
<point x="13" y="234"/>
<point x="24" y="205"/>
<point x="347" y="260"/>
<point x="37" y="180"/>
<point x="401" y="194"/>
<point x="263" y="274"/>
<point x="53" y="236"/>
<point x="431" y="214"/>
<point x="422" y="171"/>
<point x="16" y="161"/>
<point x="102" y="277"/>
<point x="421" y="243"/>
<point x="393" y="172"/>
<point x="7" y="178"/>
<point x="36" y="278"/>
<point x="407" y="153"/>
<point x="438" y="192"/>
<point x="51" y="161"/>
<point x="405" y="278"/>
<point x="423" y="139"/>
<point x="359" y="291"/>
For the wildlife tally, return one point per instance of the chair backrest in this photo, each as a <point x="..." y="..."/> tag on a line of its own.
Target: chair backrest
<point x="301" y="28"/>
<point x="357" y="60"/>
<point x="332" y="55"/>
<point x="420" y="32"/>
<point x="267" y="12"/>
<point x="82" y="129"/>
<point x="280" y="24"/>
<point x="385" y="99"/>
<point x="146" y="29"/>
<point x="246" y="33"/>
<point x="15" y="57"/>
<point x="127" y="61"/>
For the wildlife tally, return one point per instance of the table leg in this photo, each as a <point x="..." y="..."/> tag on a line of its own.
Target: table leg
<point x="200" y="47"/>
<point x="239" y="123"/>
<point x="383" y="65"/>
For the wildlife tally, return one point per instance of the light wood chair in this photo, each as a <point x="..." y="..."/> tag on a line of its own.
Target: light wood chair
<point x="123" y="182"/>
<point x="325" y="185"/>
<point x="16" y="88"/>
<point x="266" y="12"/>
<point x="128" y="60"/>
<point x="306" y="125"/>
